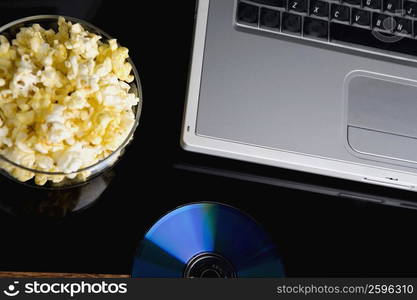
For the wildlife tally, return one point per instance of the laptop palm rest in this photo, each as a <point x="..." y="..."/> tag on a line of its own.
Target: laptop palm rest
<point x="382" y="117"/>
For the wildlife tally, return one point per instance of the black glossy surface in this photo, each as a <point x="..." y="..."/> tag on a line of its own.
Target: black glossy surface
<point x="317" y="235"/>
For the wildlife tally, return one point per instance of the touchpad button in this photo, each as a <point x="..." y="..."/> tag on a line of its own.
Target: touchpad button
<point x="382" y="116"/>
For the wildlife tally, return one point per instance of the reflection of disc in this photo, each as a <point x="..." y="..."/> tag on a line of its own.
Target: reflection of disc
<point x="207" y="240"/>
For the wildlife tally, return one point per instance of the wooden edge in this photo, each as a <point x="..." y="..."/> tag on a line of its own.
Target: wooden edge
<point x="57" y="275"/>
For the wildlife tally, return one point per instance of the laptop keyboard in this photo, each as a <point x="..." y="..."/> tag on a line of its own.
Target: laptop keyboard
<point x="382" y="25"/>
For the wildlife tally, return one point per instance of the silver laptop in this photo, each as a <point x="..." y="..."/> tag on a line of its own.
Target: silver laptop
<point x="321" y="86"/>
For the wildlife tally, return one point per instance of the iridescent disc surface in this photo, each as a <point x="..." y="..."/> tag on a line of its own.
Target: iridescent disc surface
<point x="203" y="229"/>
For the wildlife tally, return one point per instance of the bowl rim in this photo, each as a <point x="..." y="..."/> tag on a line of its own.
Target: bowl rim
<point x="137" y="82"/>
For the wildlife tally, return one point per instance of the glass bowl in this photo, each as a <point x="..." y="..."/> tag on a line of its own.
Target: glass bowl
<point x="58" y="179"/>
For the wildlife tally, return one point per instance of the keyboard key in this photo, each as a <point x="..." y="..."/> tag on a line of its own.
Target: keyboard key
<point x="361" y="36"/>
<point x="291" y="23"/>
<point x="277" y="3"/>
<point x="316" y="28"/>
<point x="382" y="22"/>
<point x="393" y="6"/>
<point x="319" y="8"/>
<point x="248" y="13"/>
<point x="403" y="26"/>
<point x="361" y="17"/>
<point x="298" y="5"/>
<point x="340" y="13"/>
<point x="353" y="2"/>
<point x="410" y="8"/>
<point x="372" y="4"/>
<point x="270" y="18"/>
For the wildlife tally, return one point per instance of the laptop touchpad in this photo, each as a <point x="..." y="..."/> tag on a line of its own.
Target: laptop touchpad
<point x="382" y="117"/>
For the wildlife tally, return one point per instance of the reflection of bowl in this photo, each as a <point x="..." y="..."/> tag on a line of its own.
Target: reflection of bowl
<point x="53" y="204"/>
<point x="59" y="179"/>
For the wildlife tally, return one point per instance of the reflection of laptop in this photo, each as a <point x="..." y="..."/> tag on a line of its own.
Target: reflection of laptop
<point x="319" y="186"/>
<point x="325" y="87"/>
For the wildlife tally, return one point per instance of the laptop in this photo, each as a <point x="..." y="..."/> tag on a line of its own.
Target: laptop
<point x="321" y="86"/>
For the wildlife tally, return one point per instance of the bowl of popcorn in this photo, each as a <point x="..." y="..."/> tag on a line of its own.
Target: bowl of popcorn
<point x="70" y="101"/>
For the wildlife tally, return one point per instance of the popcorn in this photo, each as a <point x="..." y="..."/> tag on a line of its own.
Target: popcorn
<point x="64" y="101"/>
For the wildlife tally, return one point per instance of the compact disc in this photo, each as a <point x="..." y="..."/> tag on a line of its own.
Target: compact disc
<point x="207" y="240"/>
